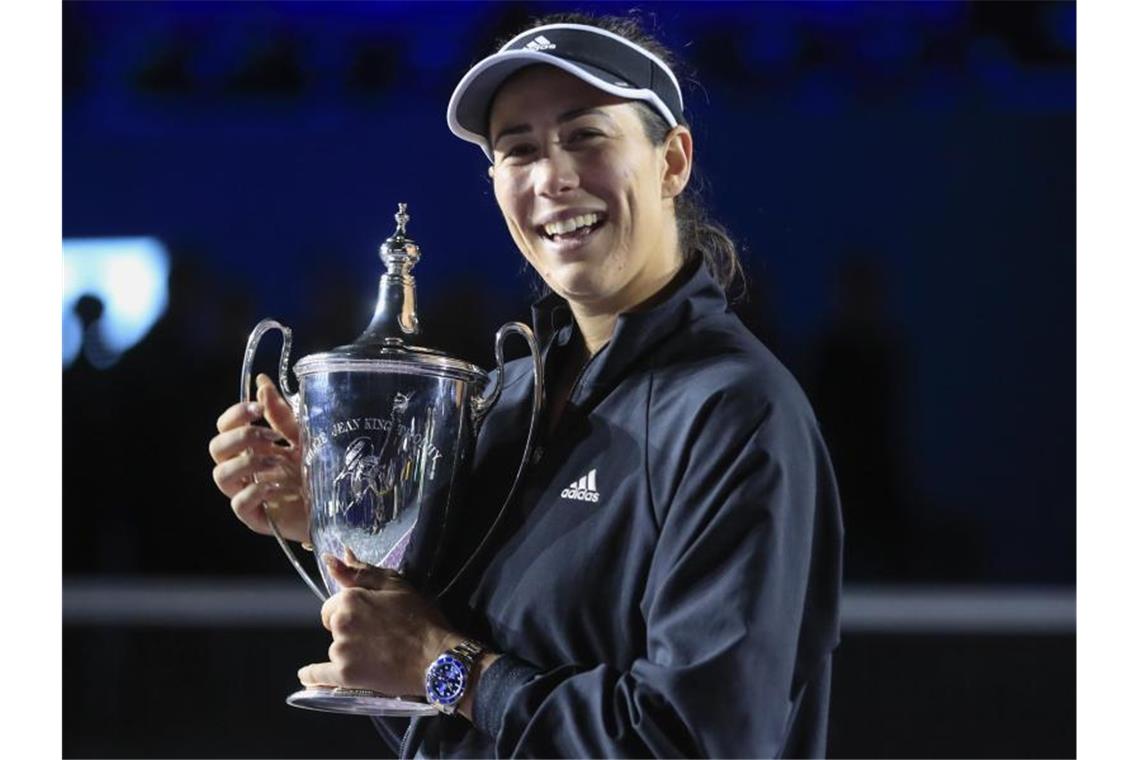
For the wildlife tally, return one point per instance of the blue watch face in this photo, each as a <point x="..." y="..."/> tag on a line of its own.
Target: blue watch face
<point x="446" y="680"/>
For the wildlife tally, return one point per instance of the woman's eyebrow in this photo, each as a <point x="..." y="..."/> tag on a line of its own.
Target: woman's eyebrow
<point x="515" y="130"/>
<point x="574" y="113"/>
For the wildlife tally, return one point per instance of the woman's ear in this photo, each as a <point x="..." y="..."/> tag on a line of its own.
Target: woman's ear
<point x="678" y="161"/>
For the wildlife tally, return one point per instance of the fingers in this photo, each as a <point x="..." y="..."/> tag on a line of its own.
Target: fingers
<point x="237" y="415"/>
<point x="331" y="675"/>
<point x="246" y="504"/>
<point x="360" y="575"/>
<point x="348" y="605"/>
<point x="234" y="474"/>
<point x="341" y="610"/>
<point x="278" y="413"/>
<point x="319" y="674"/>
<point x="327" y="609"/>
<point x="231" y="443"/>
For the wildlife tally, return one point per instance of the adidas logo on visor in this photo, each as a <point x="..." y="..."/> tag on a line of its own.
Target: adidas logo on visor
<point x="540" y="43"/>
<point x="583" y="490"/>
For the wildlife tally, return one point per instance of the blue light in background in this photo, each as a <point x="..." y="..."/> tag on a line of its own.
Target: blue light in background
<point x="1061" y="25"/>
<point x="892" y="41"/>
<point x="772" y="43"/>
<point x="129" y="277"/>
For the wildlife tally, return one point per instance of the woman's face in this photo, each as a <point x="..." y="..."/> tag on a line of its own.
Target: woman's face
<point x="586" y="196"/>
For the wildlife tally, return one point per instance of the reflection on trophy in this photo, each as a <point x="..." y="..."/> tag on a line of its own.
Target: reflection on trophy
<point x="387" y="432"/>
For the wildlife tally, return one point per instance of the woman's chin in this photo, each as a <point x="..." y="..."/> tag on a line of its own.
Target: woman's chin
<point x="577" y="283"/>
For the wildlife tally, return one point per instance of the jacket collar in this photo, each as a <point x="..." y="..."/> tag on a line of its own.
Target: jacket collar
<point x="636" y="334"/>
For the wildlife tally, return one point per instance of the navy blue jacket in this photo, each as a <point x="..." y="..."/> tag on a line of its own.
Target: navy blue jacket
<point x="666" y="581"/>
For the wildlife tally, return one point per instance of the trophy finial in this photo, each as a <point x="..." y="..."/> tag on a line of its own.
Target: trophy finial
<point x="395" y="315"/>
<point x="400" y="251"/>
<point x="402" y="219"/>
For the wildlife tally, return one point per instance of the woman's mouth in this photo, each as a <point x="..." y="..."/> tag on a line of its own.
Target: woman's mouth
<point x="573" y="230"/>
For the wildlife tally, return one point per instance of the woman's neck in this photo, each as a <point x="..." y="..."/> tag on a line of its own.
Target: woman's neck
<point x="597" y="322"/>
<point x="596" y="328"/>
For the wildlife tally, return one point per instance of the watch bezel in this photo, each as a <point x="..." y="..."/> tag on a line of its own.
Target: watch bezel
<point x="462" y="656"/>
<point x="447" y="703"/>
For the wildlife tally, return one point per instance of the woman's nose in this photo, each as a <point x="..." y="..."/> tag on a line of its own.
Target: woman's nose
<point x="554" y="173"/>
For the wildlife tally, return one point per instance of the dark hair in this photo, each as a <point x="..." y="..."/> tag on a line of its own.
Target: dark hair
<point x="700" y="237"/>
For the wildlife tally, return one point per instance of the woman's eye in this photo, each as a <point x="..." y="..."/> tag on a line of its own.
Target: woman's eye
<point x="518" y="151"/>
<point x="584" y="134"/>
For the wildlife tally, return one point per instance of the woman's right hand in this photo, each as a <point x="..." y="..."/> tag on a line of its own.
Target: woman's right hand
<point x="242" y="450"/>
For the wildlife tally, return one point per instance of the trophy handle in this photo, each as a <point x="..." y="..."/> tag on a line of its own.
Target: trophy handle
<point x="483" y="404"/>
<point x="263" y="327"/>
<point x="246" y="393"/>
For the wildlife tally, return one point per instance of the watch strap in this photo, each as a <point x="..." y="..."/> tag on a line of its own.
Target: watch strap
<point x="468" y="650"/>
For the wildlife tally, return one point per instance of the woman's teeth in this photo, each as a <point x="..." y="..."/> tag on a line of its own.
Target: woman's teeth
<point x="567" y="226"/>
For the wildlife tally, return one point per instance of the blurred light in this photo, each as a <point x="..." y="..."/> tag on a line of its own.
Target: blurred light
<point x="72" y="336"/>
<point x="128" y="276"/>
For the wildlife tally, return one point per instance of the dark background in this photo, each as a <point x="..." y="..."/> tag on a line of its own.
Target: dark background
<point x="901" y="177"/>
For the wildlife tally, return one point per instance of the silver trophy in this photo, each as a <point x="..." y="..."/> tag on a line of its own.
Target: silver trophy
<point x="387" y="433"/>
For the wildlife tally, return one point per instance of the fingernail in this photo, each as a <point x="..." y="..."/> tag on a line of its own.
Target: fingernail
<point x="254" y="408"/>
<point x="270" y="434"/>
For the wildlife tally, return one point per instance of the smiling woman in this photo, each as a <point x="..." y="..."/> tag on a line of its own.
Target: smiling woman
<point x="586" y="196"/>
<point x="665" y="581"/>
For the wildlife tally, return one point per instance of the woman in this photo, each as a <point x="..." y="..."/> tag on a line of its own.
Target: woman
<point x="666" y="581"/>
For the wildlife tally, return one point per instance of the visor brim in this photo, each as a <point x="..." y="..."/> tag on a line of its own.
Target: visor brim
<point x="468" y="111"/>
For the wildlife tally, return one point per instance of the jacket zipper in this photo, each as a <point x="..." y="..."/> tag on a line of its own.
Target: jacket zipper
<point x="578" y="377"/>
<point x="540" y="448"/>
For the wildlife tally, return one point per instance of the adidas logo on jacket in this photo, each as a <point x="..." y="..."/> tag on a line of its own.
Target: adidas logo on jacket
<point x="583" y="490"/>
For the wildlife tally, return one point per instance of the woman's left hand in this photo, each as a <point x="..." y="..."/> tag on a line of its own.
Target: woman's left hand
<point x="385" y="633"/>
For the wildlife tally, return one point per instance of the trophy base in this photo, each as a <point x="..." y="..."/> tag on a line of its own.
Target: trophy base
<point x="358" y="702"/>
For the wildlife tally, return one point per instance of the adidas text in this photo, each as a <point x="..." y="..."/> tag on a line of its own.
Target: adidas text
<point x="580" y="494"/>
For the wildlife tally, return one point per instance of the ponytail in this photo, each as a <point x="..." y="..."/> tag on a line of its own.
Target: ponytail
<point x="700" y="237"/>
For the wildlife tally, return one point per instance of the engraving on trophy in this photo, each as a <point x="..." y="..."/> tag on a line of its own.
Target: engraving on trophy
<point x="376" y="479"/>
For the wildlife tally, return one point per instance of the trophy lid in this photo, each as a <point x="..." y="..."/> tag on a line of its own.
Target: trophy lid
<point x="385" y="345"/>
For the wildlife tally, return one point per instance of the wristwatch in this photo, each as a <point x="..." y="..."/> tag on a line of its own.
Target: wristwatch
<point x="445" y="680"/>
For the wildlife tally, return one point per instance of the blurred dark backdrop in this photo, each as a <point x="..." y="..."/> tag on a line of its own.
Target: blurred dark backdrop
<point x="901" y="176"/>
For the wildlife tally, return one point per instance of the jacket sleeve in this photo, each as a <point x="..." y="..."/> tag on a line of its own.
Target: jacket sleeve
<point x="727" y="596"/>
